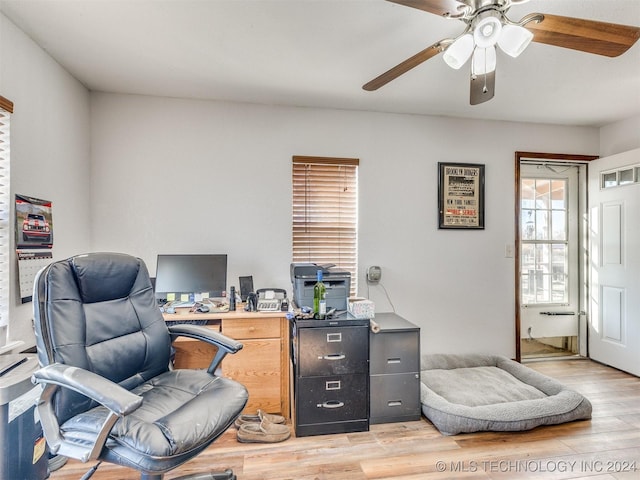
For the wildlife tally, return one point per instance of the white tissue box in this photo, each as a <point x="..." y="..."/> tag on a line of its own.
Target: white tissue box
<point x="362" y="308"/>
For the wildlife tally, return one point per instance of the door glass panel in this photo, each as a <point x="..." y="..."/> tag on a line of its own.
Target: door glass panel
<point x="558" y="197"/>
<point x="528" y="268"/>
<point x="559" y="222"/>
<point x="542" y="225"/>
<point x="544" y="245"/>
<point x="542" y="193"/>
<point x="559" y="268"/>
<point x="626" y="176"/>
<point x="609" y="179"/>
<point x="528" y="224"/>
<point x="528" y="191"/>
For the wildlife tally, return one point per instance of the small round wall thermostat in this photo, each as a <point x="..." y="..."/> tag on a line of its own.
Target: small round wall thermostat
<point x="374" y="273"/>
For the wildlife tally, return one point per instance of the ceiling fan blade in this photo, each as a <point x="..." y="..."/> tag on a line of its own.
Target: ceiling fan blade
<point x="407" y="65"/>
<point x="601" y="38"/>
<point x="444" y="8"/>
<point x="483" y="88"/>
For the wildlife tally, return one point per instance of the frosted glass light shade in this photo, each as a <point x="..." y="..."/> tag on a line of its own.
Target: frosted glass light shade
<point x="459" y="51"/>
<point x="486" y="32"/>
<point x="484" y="60"/>
<point x="514" y="39"/>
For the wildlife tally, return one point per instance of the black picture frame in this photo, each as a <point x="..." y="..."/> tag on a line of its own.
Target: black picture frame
<point x="461" y="196"/>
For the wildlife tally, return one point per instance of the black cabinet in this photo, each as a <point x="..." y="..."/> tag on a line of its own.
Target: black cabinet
<point x="395" y="370"/>
<point x="331" y="375"/>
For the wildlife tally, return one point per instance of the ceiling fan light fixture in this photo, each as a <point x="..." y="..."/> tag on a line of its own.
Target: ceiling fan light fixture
<point x="484" y="61"/>
<point x="514" y="39"/>
<point x="487" y="31"/>
<point x="459" y="51"/>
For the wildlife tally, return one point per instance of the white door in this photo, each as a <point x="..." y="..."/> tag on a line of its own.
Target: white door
<point x="549" y="262"/>
<point x="614" y="274"/>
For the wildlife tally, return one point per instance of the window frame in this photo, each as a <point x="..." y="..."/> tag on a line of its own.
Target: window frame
<point x="6" y="109"/>
<point x="327" y="234"/>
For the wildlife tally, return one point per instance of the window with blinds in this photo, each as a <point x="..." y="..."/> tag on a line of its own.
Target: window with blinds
<point x="325" y="213"/>
<point x="6" y="108"/>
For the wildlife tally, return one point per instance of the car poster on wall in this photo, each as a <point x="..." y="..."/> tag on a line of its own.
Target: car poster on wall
<point x="34" y="223"/>
<point x="34" y="240"/>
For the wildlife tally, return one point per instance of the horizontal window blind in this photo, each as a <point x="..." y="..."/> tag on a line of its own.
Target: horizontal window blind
<point x="325" y="213"/>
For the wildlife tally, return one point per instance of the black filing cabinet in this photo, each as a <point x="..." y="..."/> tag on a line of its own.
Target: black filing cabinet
<point x="395" y="370"/>
<point x="331" y="375"/>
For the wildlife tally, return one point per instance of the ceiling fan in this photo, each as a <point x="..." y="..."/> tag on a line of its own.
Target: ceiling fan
<point x="487" y="25"/>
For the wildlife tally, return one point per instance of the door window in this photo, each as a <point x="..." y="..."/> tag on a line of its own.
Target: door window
<point x="544" y="236"/>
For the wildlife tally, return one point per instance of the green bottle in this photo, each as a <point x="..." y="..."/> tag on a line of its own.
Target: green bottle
<point x="319" y="297"/>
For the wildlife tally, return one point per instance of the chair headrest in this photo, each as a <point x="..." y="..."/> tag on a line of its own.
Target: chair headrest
<point x="105" y="276"/>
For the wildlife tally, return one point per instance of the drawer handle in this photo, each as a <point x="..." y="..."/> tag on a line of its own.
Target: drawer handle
<point x="394" y="360"/>
<point x="394" y="403"/>
<point x="333" y="356"/>
<point x="331" y="404"/>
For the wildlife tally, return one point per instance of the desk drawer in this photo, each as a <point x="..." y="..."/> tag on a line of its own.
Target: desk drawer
<point x="243" y="328"/>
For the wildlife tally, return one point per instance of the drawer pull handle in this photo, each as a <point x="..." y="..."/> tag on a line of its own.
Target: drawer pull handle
<point x="331" y="404"/>
<point x="333" y="356"/>
<point x="394" y="403"/>
<point x="394" y="360"/>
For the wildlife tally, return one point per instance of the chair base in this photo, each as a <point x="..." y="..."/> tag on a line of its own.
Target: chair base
<point x="226" y="475"/>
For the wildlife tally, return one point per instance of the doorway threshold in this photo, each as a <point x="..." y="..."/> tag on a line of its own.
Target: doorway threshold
<point x="568" y="356"/>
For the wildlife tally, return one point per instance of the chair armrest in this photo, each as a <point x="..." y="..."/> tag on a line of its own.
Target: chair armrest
<point x="223" y="343"/>
<point x="117" y="399"/>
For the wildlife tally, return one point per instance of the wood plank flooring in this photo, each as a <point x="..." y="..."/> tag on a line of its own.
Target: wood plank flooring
<point x="605" y="447"/>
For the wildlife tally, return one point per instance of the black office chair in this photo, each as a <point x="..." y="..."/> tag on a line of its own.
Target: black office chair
<point x="109" y="391"/>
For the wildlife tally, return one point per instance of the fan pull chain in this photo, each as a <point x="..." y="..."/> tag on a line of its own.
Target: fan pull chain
<point x="484" y="87"/>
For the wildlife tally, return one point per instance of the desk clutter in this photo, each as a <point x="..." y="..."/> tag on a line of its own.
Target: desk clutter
<point x="206" y="305"/>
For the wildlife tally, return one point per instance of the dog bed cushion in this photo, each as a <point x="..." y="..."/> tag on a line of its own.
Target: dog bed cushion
<point x="471" y="393"/>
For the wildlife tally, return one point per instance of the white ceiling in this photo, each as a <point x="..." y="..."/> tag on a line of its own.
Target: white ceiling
<point x="319" y="53"/>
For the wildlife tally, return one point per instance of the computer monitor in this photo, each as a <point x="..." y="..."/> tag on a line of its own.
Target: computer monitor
<point x="192" y="273"/>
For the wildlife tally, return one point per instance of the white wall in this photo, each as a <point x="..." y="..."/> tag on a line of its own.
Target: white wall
<point x="170" y="175"/>
<point x="180" y="176"/>
<point x="620" y="137"/>
<point x="49" y="151"/>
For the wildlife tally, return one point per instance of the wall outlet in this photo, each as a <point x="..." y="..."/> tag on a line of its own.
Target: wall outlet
<point x="374" y="274"/>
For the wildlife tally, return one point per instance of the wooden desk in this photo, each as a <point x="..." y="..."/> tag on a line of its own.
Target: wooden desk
<point x="262" y="365"/>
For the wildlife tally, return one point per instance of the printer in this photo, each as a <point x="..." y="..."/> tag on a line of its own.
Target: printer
<point x="304" y="277"/>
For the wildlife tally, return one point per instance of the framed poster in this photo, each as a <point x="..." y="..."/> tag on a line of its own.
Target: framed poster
<point x="460" y="195"/>
<point x="34" y="223"/>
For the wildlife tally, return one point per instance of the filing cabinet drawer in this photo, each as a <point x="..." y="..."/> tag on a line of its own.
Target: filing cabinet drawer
<point x="333" y="351"/>
<point x="332" y="399"/>
<point x="395" y="398"/>
<point x="396" y="352"/>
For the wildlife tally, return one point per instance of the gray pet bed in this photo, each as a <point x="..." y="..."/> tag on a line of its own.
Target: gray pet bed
<point x="471" y="393"/>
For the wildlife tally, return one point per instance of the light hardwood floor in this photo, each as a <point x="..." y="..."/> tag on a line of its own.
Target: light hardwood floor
<point x="605" y="447"/>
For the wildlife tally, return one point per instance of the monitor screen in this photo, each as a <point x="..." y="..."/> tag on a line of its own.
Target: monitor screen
<point x="206" y="273"/>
